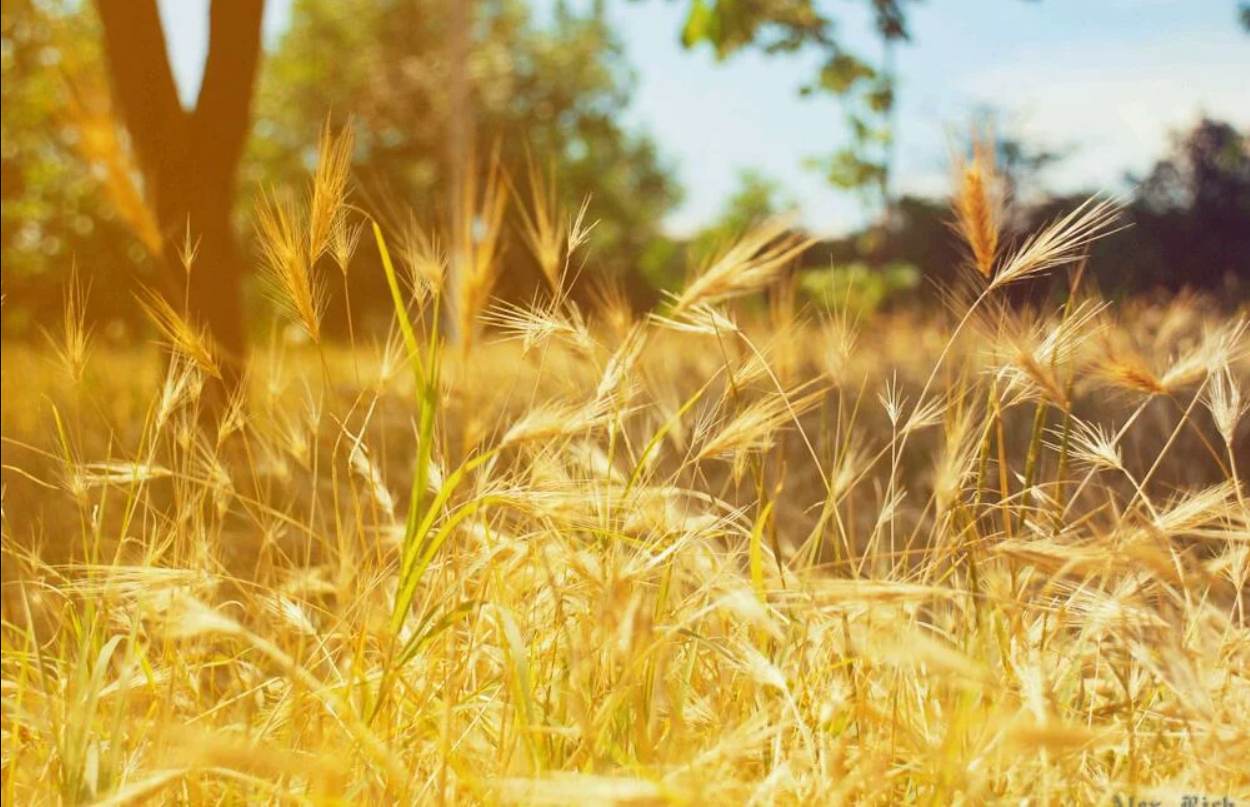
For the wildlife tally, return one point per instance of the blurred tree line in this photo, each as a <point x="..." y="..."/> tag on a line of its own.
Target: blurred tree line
<point x="1188" y="217"/>
<point x="553" y="88"/>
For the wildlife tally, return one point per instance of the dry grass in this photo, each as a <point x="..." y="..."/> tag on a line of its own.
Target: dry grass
<point x="633" y="561"/>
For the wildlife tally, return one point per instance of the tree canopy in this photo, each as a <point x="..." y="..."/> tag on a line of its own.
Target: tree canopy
<point x="67" y="190"/>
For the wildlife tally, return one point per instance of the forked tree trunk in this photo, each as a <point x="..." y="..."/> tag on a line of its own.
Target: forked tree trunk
<point x="190" y="159"/>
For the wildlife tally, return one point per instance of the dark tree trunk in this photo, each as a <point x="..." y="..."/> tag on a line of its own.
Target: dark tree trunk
<point x="190" y="159"/>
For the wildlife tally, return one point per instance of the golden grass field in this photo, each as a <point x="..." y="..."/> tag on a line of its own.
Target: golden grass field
<point x="710" y="554"/>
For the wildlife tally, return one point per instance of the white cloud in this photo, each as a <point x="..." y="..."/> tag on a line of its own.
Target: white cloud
<point x="1118" y="105"/>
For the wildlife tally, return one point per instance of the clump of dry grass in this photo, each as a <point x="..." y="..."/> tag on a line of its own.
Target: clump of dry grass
<point x="288" y="265"/>
<point x="551" y="234"/>
<point x="750" y="263"/>
<point x="473" y="249"/>
<point x="329" y="192"/>
<point x="75" y="343"/>
<point x="633" y="559"/>
<point x="293" y="235"/>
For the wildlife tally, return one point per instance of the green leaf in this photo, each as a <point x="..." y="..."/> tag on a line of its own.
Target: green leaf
<point x="418" y="552"/>
<point x="401" y="308"/>
<point x="843" y="71"/>
<point x="699" y="24"/>
<point x="757" y="551"/>
<point x="881" y="97"/>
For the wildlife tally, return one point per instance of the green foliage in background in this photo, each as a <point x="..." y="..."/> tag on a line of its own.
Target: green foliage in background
<point x="857" y="287"/>
<point x="756" y="198"/>
<point x="864" y="86"/>
<point x="555" y="89"/>
<point x="54" y="210"/>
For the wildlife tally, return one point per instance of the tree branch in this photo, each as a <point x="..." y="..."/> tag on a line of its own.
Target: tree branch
<point x="142" y="82"/>
<point x="222" y="114"/>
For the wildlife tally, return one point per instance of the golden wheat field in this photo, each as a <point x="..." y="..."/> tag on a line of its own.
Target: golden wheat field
<point x="570" y="553"/>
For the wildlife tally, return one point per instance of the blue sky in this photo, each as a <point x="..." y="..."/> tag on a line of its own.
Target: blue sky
<point x="1108" y="79"/>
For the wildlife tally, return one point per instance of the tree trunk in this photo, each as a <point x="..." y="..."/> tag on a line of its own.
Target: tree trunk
<point x="190" y="159"/>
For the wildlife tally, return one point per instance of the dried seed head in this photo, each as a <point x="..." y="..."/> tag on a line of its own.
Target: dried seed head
<point x="978" y="206"/>
<point x="180" y="334"/>
<point x="1223" y="399"/>
<point x="1092" y="444"/>
<point x="748" y="265"/>
<point x="188" y="249"/>
<point x="294" y="284"/>
<point x="329" y="187"/>
<point x="344" y="239"/>
<point x="1061" y="242"/>
<point x="75" y="342"/>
